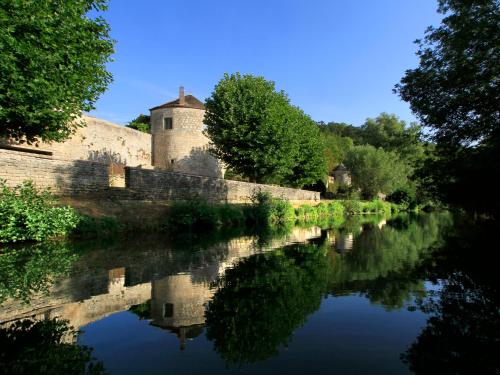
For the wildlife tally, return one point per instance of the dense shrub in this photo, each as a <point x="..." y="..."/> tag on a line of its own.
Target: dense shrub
<point x="89" y="226"/>
<point x="352" y="207"/>
<point x="404" y="197"/>
<point x="27" y="213"/>
<point x="270" y="211"/>
<point x="199" y="213"/>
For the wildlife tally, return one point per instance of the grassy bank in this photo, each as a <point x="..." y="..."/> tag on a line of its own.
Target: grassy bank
<point x="30" y="214"/>
<point x="266" y="210"/>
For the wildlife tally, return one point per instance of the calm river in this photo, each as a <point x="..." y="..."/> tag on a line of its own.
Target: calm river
<point x="406" y="294"/>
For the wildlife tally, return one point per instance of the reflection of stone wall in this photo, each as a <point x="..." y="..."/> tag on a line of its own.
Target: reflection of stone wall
<point x="178" y="289"/>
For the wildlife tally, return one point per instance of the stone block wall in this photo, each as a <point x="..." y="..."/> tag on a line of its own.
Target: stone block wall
<point x="81" y="177"/>
<point x="101" y="141"/>
<point x="166" y="185"/>
<point x="67" y="177"/>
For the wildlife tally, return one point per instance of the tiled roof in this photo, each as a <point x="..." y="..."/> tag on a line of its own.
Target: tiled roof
<point x="189" y="102"/>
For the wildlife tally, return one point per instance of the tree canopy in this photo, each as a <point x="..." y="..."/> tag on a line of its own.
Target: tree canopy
<point x="141" y="123"/>
<point x="52" y="66"/>
<point x="455" y="88"/>
<point x="257" y="133"/>
<point x="375" y="170"/>
<point x="455" y="93"/>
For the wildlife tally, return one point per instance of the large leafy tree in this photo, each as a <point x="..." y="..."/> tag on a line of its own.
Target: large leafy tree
<point x="257" y="133"/>
<point x="455" y="93"/>
<point x="336" y="148"/>
<point x="455" y="88"/>
<point x="392" y="134"/>
<point x="375" y="170"/>
<point x="52" y="65"/>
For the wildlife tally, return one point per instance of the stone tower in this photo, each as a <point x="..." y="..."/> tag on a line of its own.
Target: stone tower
<point x="178" y="143"/>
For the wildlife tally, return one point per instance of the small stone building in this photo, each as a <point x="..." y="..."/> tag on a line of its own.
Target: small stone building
<point x="178" y="143"/>
<point x="340" y="176"/>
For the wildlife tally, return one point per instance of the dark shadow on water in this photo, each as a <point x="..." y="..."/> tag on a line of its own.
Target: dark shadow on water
<point x="44" y="347"/>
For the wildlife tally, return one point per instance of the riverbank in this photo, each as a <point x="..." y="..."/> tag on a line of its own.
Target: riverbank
<point x="30" y="214"/>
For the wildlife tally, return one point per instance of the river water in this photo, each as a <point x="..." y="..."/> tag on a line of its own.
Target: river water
<point x="374" y="295"/>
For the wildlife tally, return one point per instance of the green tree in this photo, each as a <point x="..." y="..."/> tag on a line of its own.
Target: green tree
<point x="52" y="66"/>
<point x="455" y="92"/>
<point x="259" y="135"/>
<point x="375" y="170"/>
<point x="455" y="88"/>
<point x="141" y="123"/>
<point x="336" y="148"/>
<point x="392" y="134"/>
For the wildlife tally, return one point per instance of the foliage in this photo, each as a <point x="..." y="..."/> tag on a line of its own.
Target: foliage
<point x="271" y="303"/>
<point x="27" y="213"/>
<point x="342" y="129"/>
<point x="462" y="329"/>
<point x="200" y="213"/>
<point x="143" y="310"/>
<point x="455" y="93"/>
<point x="89" y="226"/>
<point x="404" y="197"/>
<point x="375" y="170"/>
<point x="290" y="283"/>
<point x="43" y="347"/>
<point x="52" y="66"/>
<point x="141" y="123"/>
<point x="260" y="135"/>
<point x="336" y="148"/>
<point x="33" y="268"/>
<point x="392" y="134"/>
<point x="266" y="210"/>
<point x="455" y="88"/>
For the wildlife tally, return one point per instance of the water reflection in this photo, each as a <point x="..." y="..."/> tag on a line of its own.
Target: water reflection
<point x="121" y="276"/>
<point x="44" y="347"/>
<point x="249" y="294"/>
<point x="462" y="335"/>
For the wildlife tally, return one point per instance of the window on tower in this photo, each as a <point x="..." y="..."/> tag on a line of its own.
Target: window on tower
<point x="167" y="123"/>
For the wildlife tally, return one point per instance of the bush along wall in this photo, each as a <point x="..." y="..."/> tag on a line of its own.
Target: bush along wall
<point x="268" y="211"/>
<point x="29" y="214"/>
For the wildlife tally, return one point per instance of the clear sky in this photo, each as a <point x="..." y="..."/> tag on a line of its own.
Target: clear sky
<point x="338" y="60"/>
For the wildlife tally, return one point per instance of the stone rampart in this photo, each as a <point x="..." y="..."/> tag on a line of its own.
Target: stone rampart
<point x="81" y="177"/>
<point x="99" y="141"/>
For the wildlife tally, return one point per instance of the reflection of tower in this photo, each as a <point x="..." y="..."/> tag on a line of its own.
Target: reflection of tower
<point x="179" y="144"/>
<point x="344" y="242"/>
<point x="178" y="304"/>
<point x="382" y="223"/>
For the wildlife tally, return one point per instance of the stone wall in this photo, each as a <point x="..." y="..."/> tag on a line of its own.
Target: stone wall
<point x="80" y="177"/>
<point x="166" y="185"/>
<point x="67" y="177"/>
<point x="100" y="141"/>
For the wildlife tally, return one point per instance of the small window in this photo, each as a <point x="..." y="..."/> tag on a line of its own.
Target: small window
<point x="172" y="161"/>
<point x="167" y="123"/>
<point x="168" y="310"/>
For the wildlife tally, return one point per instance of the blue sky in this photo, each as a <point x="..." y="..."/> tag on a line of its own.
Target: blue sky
<point x="337" y="59"/>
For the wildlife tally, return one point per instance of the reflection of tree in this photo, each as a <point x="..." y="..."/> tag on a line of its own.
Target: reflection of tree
<point x="462" y="335"/>
<point x="44" y="347"/>
<point x="266" y="297"/>
<point x="382" y="263"/>
<point x="263" y="299"/>
<point x="32" y="268"/>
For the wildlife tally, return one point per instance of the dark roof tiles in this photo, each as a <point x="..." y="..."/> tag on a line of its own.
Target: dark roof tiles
<point x="189" y="102"/>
